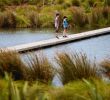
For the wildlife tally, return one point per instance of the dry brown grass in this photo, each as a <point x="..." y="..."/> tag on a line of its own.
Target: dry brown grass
<point x="11" y="63"/>
<point x="74" y="67"/>
<point x="79" y="17"/>
<point x="106" y="65"/>
<point x="37" y="69"/>
<point x="40" y="68"/>
<point x="7" y="19"/>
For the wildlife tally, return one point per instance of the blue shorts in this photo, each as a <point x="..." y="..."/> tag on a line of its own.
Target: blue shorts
<point x="65" y="27"/>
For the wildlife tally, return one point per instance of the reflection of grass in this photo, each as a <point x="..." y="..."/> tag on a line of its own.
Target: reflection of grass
<point x="75" y="66"/>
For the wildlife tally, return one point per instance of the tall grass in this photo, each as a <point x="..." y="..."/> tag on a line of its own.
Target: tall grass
<point x="7" y="19"/>
<point x="11" y="63"/>
<point x="78" y="90"/>
<point x="35" y="13"/>
<point x="40" y="68"/>
<point x="106" y="65"/>
<point x="74" y="67"/>
<point x="82" y="90"/>
<point x="34" y="19"/>
<point x="79" y="17"/>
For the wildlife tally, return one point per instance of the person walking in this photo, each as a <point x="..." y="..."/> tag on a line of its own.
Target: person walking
<point x="65" y="26"/>
<point x="57" y="24"/>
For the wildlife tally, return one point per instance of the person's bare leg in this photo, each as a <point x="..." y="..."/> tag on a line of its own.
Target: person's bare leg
<point x="65" y="33"/>
<point x="57" y="30"/>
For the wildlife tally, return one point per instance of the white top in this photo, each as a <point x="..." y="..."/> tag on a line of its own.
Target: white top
<point x="57" y="21"/>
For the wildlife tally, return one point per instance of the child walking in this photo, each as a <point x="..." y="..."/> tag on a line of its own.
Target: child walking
<point x="65" y="26"/>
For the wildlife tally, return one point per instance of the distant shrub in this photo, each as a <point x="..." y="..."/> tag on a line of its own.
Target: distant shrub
<point x="8" y="19"/>
<point x="75" y="2"/>
<point x="79" y="17"/>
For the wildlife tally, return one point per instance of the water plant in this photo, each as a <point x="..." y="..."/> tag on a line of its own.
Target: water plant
<point x="40" y="68"/>
<point x="11" y="63"/>
<point x="106" y="65"/>
<point x="37" y="69"/>
<point x="75" y="66"/>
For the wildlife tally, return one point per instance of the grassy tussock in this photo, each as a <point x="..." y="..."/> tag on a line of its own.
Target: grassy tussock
<point x="34" y="19"/>
<point x="38" y="69"/>
<point x="106" y="65"/>
<point x="86" y="14"/>
<point x="79" y="17"/>
<point x="7" y="19"/>
<point x="75" y="66"/>
<point x="11" y="63"/>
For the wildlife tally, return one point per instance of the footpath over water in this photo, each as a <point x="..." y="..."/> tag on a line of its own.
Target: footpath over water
<point x="55" y="41"/>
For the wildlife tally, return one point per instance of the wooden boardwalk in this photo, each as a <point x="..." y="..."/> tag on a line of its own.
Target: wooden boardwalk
<point x="55" y="41"/>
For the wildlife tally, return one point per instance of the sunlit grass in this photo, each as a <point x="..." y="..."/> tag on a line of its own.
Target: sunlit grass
<point x="40" y="68"/>
<point x="37" y="69"/>
<point x="106" y="65"/>
<point x="75" y="66"/>
<point x="11" y="63"/>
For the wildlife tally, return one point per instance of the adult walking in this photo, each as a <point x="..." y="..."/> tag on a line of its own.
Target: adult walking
<point x="57" y="24"/>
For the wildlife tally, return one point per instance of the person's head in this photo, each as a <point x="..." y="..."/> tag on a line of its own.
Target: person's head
<point x="57" y="14"/>
<point x="64" y="17"/>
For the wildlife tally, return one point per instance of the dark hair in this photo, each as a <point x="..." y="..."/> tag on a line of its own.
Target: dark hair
<point x="64" y="17"/>
<point x="57" y="14"/>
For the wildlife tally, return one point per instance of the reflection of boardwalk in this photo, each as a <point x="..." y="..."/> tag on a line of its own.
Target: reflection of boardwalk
<point x="54" y="41"/>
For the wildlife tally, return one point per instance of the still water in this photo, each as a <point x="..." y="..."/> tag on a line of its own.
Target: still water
<point x="98" y="47"/>
<point x="22" y="36"/>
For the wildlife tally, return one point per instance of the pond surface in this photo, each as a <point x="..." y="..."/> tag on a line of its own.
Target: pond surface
<point x="22" y="36"/>
<point x="98" y="47"/>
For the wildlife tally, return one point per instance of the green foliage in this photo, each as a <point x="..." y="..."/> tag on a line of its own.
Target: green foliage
<point x="75" y="2"/>
<point x="7" y="19"/>
<point x="22" y="21"/>
<point x="92" y="89"/>
<point x="40" y="13"/>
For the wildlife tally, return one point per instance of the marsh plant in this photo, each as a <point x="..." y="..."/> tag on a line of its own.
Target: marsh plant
<point x="11" y="62"/>
<point x="84" y="14"/>
<point x="38" y="68"/>
<point x="106" y="65"/>
<point x="75" y="66"/>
